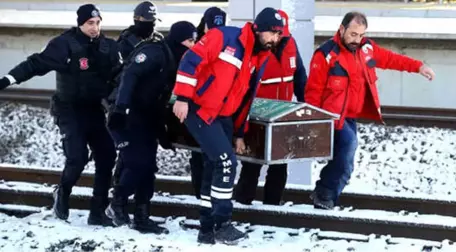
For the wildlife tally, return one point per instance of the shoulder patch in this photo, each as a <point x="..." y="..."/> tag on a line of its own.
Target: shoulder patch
<point x="140" y="58"/>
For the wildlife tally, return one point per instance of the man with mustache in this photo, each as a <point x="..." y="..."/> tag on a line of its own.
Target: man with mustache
<point x="284" y="75"/>
<point x="215" y="86"/>
<point x="342" y="80"/>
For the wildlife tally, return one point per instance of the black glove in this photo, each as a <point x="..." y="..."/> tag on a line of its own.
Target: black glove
<point x="117" y="120"/>
<point x="164" y="140"/>
<point x="4" y="82"/>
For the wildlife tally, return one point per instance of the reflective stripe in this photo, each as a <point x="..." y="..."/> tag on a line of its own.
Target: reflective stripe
<point x="230" y="59"/>
<point x="205" y="197"/>
<point x="288" y="78"/>
<point x="187" y="80"/>
<point x="328" y="58"/>
<point x="205" y="203"/>
<point x="219" y="195"/>
<point x="219" y="189"/>
<point x="11" y="79"/>
<point x="277" y="80"/>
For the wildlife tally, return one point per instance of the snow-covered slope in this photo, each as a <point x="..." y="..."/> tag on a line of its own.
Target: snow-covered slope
<point x="389" y="159"/>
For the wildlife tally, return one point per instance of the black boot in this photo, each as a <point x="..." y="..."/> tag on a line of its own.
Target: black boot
<point x="143" y="224"/>
<point x="206" y="237"/>
<point x="97" y="214"/>
<point x="226" y="233"/>
<point x="321" y="202"/>
<point x="117" y="211"/>
<point x="61" y="205"/>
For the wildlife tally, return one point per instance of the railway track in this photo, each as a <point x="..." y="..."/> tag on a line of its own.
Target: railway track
<point x="33" y="187"/>
<point x="393" y="115"/>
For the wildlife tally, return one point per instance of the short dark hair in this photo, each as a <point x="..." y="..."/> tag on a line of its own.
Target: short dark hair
<point x="359" y="18"/>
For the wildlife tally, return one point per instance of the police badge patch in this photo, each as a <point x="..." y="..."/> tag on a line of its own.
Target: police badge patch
<point x="140" y="58"/>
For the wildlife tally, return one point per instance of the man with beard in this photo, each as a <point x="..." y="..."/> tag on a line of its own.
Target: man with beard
<point x="215" y="86"/>
<point x="137" y="122"/>
<point x="342" y="80"/>
<point x="213" y="17"/>
<point x="144" y="17"/>
<point x="284" y="75"/>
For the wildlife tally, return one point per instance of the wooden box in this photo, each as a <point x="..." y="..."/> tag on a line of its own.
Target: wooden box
<point x="279" y="132"/>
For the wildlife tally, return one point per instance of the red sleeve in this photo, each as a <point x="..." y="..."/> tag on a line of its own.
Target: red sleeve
<point x="316" y="81"/>
<point x="194" y="60"/>
<point x="387" y="59"/>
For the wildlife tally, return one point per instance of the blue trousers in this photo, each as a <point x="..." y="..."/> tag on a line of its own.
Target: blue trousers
<point x="335" y="175"/>
<point x="138" y="158"/>
<point x="219" y="169"/>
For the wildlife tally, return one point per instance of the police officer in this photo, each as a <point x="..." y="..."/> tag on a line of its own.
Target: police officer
<point x="144" y="18"/>
<point x="213" y="17"/>
<point x="136" y="123"/>
<point x="83" y="59"/>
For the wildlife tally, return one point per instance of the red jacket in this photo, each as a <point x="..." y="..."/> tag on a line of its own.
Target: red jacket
<point x="285" y="72"/>
<point x="215" y="73"/>
<point x="345" y="83"/>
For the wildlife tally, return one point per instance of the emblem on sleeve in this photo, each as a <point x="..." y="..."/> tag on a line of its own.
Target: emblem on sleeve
<point x="140" y="58"/>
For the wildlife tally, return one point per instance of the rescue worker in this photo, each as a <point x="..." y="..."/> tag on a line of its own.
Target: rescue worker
<point x="284" y="75"/>
<point x="215" y="86"/>
<point x="342" y="80"/>
<point x="213" y="17"/>
<point x="83" y="59"/>
<point x="137" y="122"/>
<point x="144" y="18"/>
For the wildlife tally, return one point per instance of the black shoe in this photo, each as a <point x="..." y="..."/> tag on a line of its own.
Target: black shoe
<point x="143" y="224"/>
<point x="97" y="214"/>
<point x="206" y="238"/>
<point x="117" y="211"/>
<point x="226" y="233"/>
<point x="61" y="205"/>
<point x="321" y="202"/>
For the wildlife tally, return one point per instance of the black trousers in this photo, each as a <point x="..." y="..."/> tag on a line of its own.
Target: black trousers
<point x="248" y="181"/>
<point x="82" y="126"/>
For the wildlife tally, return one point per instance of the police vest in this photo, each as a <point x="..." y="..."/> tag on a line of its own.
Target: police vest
<point x="88" y="76"/>
<point x="153" y="91"/>
<point x="277" y="80"/>
<point x="131" y="42"/>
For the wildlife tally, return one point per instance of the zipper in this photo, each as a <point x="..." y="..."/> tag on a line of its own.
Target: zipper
<point x="367" y="76"/>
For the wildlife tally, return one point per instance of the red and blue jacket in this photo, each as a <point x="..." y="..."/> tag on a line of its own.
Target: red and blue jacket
<point x="220" y="74"/>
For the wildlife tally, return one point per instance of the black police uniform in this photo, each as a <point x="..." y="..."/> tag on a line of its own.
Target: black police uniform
<point x="136" y="123"/>
<point x="83" y="67"/>
<point x="128" y="40"/>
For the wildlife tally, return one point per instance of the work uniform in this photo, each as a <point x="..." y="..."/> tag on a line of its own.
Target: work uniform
<point x="344" y="82"/>
<point x="284" y="76"/>
<point x="83" y="68"/>
<point x="218" y="79"/>
<point x="213" y="17"/>
<point x="137" y="124"/>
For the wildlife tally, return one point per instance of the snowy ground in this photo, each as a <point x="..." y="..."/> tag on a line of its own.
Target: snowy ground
<point x="389" y="159"/>
<point x="42" y="232"/>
